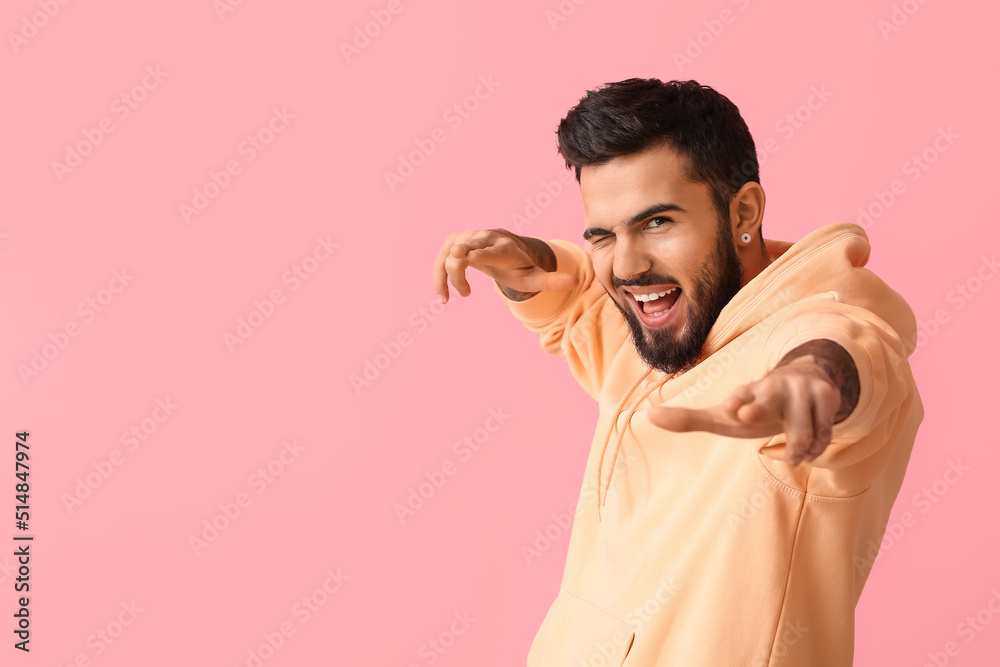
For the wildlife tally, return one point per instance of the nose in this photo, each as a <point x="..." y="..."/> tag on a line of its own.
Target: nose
<point x="631" y="258"/>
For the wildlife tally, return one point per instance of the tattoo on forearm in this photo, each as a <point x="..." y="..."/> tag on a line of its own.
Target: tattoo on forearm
<point x="541" y="255"/>
<point x="837" y="363"/>
<point x="514" y="295"/>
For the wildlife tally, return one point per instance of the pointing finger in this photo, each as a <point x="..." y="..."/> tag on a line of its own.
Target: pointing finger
<point x="798" y="419"/>
<point x="740" y="397"/>
<point x="680" y="419"/>
<point x="711" y="420"/>
<point x="823" y="412"/>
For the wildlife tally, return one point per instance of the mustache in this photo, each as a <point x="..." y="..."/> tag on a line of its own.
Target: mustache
<point x="644" y="280"/>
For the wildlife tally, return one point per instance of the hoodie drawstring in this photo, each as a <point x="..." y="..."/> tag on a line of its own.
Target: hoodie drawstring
<point x="602" y="489"/>
<point x="604" y="447"/>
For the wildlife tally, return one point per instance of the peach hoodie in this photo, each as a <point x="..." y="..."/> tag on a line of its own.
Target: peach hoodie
<point x="696" y="549"/>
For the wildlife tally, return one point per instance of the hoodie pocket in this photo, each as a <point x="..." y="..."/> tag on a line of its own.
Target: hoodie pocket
<point x="575" y="633"/>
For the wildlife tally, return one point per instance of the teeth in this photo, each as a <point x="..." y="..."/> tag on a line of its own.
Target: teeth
<point x="654" y="296"/>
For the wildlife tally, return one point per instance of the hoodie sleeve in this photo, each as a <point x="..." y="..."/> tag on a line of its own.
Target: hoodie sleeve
<point x="888" y="392"/>
<point x="580" y="326"/>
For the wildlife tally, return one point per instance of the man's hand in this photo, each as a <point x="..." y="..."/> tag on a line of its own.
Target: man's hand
<point x="521" y="266"/>
<point x="814" y="386"/>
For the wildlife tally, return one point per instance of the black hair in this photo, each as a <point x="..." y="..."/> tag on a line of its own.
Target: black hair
<point x="630" y="116"/>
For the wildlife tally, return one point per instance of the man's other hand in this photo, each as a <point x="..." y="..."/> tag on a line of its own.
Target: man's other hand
<point x="798" y="398"/>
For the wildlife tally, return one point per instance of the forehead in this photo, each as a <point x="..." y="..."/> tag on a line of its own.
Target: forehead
<point x="618" y="188"/>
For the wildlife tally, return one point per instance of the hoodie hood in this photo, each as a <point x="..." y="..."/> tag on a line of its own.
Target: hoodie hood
<point x="828" y="263"/>
<point x="830" y="260"/>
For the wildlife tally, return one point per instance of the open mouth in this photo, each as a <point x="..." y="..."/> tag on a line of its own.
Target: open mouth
<point x="657" y="308"/>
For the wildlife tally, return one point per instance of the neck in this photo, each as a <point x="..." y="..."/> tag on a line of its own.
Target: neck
<point x="753" y="265"/>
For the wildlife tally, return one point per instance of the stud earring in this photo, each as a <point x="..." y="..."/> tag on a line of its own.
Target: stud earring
<point x="746" y="237"/>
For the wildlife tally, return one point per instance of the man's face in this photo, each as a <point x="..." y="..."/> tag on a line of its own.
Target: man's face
<point x="652" y="231"/>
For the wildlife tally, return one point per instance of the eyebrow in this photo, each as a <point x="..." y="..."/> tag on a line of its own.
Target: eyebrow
<point x="638" y="217"/>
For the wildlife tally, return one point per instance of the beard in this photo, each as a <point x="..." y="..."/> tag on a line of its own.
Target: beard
<point x="716" y="283"/>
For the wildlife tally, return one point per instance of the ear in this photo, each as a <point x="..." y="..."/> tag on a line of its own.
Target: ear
<point x="746" y="212"/>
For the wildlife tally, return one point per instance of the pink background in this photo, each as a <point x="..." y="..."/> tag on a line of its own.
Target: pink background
<point x="332" y="504"/>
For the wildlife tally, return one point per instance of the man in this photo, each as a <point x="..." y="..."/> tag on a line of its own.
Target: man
<point x="757" y="409"/>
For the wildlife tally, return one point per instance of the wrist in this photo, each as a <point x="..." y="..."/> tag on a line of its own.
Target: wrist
<point x="831" y="362"/>
<point x="513" y="294"/>
<point x="538" y="251"/>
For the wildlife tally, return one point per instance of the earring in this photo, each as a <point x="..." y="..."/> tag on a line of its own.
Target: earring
<point x="746" y="237"/>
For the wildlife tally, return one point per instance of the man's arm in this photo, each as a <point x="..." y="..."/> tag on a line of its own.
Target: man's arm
<point x="799" y="396"/>
<point x="549" y="286"/>
<point x="813" y="385"/>
<point x="523" y="265"/>
<point x="538" y="251"/>
<point x="839" y="367"/>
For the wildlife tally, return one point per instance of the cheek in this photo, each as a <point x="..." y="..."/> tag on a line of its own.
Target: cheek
<point x="675" y="261"/>
<point x="683" y="257"/>
<point x="602" y="271"/>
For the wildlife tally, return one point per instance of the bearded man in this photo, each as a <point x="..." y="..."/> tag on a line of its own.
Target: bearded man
<point x="757" y="409"/>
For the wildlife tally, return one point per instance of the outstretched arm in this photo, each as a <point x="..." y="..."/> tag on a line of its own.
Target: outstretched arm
<point x="813" y="387"/>
<point x="521" y="266"/>
<point x="538" y="251"/>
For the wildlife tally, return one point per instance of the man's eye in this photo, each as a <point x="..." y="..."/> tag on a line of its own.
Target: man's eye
<point x="652" y="220"/>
